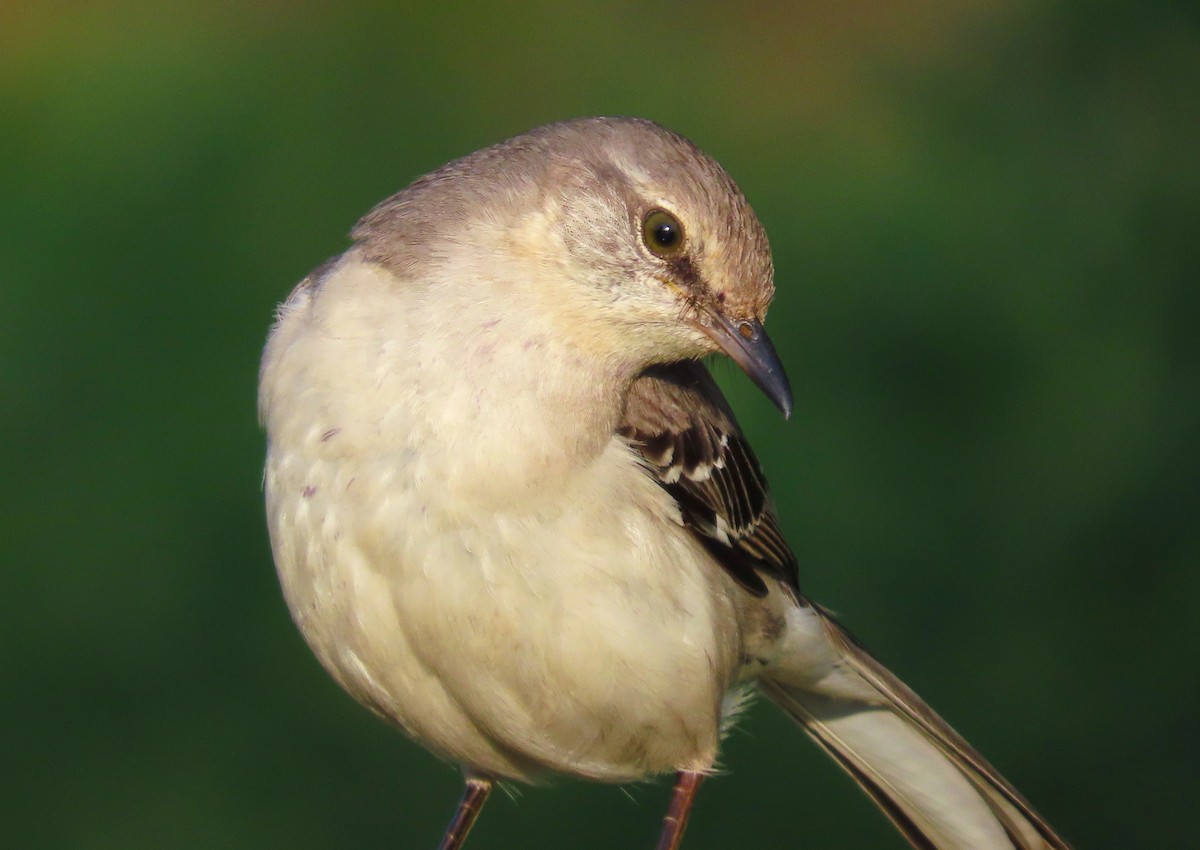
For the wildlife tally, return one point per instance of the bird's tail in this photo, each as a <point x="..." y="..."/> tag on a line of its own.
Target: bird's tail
<point x="937" y="790"/>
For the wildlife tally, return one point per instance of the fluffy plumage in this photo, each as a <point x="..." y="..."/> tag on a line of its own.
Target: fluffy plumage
<point x="511" y="516"/>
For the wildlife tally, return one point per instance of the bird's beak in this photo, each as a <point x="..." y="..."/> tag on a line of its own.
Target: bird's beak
<point x="747" y="344"/>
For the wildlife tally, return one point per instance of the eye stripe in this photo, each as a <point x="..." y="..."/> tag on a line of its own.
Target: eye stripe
<point x="685" y="272"/>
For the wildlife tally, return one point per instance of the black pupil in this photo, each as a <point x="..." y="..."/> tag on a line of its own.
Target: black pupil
<point x="666" y="234"/>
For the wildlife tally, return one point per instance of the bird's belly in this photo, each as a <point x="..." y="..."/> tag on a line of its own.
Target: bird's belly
<point x="492" y="644"/>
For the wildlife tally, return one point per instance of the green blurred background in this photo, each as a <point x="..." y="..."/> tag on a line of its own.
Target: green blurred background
<point x="986" y="222"/>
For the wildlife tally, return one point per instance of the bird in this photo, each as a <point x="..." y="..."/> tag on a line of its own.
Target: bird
<point x="513" y="515"/>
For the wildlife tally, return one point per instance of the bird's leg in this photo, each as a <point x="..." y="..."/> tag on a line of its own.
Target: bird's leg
<point x="473" y="798"/>
<point x="686" y="785"/>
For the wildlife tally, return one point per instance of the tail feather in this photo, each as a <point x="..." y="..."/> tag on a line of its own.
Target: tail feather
<point x="938" y="791"/>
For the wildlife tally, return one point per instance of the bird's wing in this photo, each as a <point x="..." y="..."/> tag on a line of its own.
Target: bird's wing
<point x="688" y="438"/>
<point x="940" y="792"/>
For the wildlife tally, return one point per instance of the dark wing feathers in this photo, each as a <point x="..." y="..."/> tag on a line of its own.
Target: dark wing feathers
<point x="679" y="422"/>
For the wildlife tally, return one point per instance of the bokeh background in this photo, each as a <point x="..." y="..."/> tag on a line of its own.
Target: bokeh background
<point x="986" y="220"/>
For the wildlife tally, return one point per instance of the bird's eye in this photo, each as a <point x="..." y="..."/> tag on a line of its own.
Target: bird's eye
<point x="662" y="233"/>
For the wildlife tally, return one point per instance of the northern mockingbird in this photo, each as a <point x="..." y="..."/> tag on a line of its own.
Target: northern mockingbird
<point x="515" y="517"/>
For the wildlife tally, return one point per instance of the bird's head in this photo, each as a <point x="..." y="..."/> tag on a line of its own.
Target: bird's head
<point x="669" y="243"/>
<point x="638" y="236"/>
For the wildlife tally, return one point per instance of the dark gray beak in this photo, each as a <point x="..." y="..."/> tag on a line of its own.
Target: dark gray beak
<point x="747" y="344"/>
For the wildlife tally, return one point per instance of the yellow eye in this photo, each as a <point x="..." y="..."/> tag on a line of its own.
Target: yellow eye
<point x="662" y="233"/>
